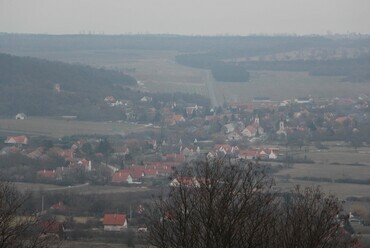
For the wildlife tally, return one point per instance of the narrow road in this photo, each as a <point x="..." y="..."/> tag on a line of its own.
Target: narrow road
<point x="211" y="89"/>
<point x="68" y="187"/>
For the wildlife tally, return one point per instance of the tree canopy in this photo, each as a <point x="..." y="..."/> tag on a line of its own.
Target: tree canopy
<point x="224" y="203"/>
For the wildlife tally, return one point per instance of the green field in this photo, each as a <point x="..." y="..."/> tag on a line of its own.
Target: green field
<point x="59" y="127"/>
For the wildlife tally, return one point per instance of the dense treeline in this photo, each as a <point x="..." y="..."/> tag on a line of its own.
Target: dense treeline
<point x="228" y="44"/>
<point x="229" y="73"/>
<point x="351" y="69"/>
<point x="221" y="71"/>
<point x="42" y="74"/>
<point x="354" y="70"/>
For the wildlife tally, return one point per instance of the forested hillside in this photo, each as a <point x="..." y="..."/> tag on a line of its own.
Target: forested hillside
<point x="30" y="85"/>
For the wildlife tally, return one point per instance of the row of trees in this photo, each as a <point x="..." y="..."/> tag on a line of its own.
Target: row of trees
<point x="223" y="203"/>
<point x="353" y="70"/>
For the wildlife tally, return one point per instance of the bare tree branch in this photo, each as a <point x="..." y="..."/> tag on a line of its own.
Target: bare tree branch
<point x="226" y="203"/>
<point x="18" y="229"/>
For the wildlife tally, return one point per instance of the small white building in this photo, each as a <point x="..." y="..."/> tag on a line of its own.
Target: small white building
<point x="20" y="116"/>
<point x="185" y="182"/>
<point x="272" y="155"/>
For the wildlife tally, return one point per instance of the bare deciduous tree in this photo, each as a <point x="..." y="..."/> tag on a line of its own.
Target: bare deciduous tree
<point x="16" y="228"/>
<point x="310" y="219"/>
<point x="224" y="203"/>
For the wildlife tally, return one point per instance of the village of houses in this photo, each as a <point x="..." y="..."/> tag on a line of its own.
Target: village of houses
<point x="260" y="130"/>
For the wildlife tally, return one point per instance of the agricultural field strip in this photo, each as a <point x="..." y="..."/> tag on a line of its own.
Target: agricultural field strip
<point x="60" y="128"/>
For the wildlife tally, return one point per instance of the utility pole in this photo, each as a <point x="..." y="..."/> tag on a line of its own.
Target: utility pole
<point x="42" y="204"/>
<point x="130" y="213"/>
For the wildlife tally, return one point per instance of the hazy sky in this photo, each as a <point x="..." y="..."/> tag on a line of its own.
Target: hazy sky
<point x="205" y="17"/>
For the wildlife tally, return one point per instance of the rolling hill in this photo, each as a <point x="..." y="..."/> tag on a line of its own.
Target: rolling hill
<point x="31" y="85"/>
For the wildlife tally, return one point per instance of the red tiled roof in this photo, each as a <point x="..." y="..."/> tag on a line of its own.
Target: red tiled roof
<point x="138" y="171"/>
<point x="174" y="119"/>
<point x="248" y="153"/>
<point x="17" y="139"/>
<point x="120" y="176"/>
<point x="67" y="153"/>
<point x="178" y="118"/>
<point x="150" y="172"/>
<point x="152" y="142"/>
<point x="135" y="171"/>
<point x="85" y="163"/>
<point x="50" y="226"/>
<point x="343" y="119"/>
<point x="58" y="205"/>
<point x="114" y="219"/>
<point x="212" y="118"/>
<point x="251" y="128"/>
<point x="47" y="173"/>
<point x="226" y="147"/>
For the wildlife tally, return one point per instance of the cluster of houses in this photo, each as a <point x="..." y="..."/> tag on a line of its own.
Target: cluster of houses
<point x="136" y="173"/>
<point x="248" y="131"/>
<point x="221" y="150"/>
<point x="116" y="222"/>
<point x="243" y="130"/>
<point x="258" y="121"/>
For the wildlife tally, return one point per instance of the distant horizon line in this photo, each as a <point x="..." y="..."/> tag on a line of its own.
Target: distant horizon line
<point x="91" y="33"/>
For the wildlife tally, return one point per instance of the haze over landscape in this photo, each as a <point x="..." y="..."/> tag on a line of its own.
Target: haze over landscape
<point x="185" y="123"/>
<point x="206" y="17"/>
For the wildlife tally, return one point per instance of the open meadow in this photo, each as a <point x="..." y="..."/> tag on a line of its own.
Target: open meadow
<point x="280" y="85"/>
<point x="336" y="163"/>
